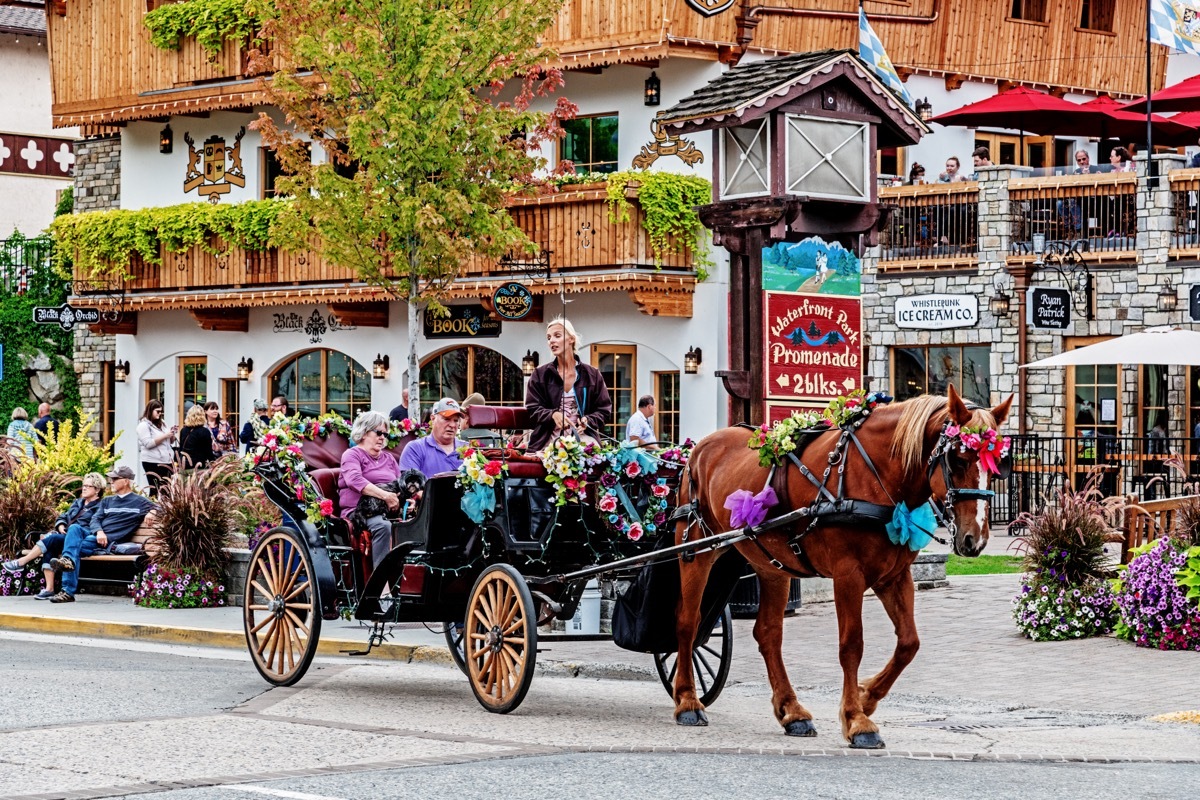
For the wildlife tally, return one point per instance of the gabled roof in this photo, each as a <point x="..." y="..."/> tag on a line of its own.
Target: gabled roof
<point x="25" y="19"/>
<point x="770" y="82"/>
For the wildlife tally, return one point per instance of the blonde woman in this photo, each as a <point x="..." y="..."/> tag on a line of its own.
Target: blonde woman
<point x="565" y="394"/>
<point x="195" y="439"/>
<point x="21" y="433"/>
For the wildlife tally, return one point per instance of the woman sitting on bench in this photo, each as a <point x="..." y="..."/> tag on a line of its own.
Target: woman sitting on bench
<point x="51" y="542"/>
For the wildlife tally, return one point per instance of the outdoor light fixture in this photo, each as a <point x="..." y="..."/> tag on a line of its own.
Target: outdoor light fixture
<point x="245" y="367"/>
<point x="691" y="361"/>
<point x="1000" y="303"/>
<point x="166" y="140"/>
<point x="924" y="109"/>
<point x="529" y="363"/>
<point x="1168" y="298"/>
<point x="381" y="366"/>
<point x="652" y="94"/>
<point x="120" y="371"/>
<point x="1039" y="248"/>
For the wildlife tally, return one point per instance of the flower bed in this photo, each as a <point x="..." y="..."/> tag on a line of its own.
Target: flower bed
<point x="1053" y="612"/>
<point x="159" y="587"/>
<point x="1152" y="595"/>
<point x="28" y="580"/>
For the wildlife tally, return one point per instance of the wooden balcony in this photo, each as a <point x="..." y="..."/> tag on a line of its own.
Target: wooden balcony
<point x="585" y="252"/>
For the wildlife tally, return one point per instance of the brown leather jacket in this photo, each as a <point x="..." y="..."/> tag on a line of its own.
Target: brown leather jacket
<point x="544" y="394"/>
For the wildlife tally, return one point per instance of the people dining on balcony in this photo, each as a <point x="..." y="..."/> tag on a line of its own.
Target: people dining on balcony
<point x="1083" y="164"/>
<point x="952" y="173"/>
<point x="1121" y="160"/>
<point x="916" y="174"/>
<point x="981" y="157"/>
<point x="565" y="395"/>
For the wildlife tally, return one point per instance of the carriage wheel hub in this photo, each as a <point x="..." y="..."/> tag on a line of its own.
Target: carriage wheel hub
<point x="275" y="606"/>
<point x="494" y="638"/>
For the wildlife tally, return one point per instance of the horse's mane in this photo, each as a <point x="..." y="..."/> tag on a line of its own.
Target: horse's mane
<point x="908" y="439"/>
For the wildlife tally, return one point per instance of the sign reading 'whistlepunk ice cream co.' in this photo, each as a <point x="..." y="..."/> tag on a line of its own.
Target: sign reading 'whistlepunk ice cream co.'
<point x="936" y="312"/>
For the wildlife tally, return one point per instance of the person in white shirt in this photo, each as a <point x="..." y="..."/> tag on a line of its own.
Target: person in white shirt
<point x="638" y="429"/>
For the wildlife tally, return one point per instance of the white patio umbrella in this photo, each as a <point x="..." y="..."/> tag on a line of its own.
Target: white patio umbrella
<point x="1164" y="345"/>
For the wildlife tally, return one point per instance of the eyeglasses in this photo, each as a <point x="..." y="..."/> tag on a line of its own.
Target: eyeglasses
<point x="379" y="432"/>
<point x="1081" y="159"/>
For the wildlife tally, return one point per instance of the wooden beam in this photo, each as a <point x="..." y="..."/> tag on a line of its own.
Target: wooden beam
<point x="361" y="315"/>
<point x="1059" y="91"/>
<point x="222" y="319"/>
<point x="662" y="304"/>
<point x="1004" y="86"/>
<point x="955" y="81"/>
<point x="126" y="323"/>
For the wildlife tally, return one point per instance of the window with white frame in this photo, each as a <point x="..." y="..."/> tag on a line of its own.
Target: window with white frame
<point x="828" y="158"/>
<point x="745" y="169"/>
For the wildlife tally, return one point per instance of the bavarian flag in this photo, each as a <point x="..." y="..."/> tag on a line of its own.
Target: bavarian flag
<point x="870" y="49"/>
<point x="1176" y="23"/>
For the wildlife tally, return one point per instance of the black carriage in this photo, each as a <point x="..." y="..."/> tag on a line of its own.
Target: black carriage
<point x="491" y="585"/>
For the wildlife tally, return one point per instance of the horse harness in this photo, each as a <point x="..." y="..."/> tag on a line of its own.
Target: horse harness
<point x="828" y="508"/>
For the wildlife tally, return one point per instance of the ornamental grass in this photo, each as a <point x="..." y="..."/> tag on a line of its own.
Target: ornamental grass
<point x="29" y="501"/>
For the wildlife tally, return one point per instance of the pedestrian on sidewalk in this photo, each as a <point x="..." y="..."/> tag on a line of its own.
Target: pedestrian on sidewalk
<point x="51" y="543"/>
<point x="256" y="426"/>
<point x="116" y="519"/>
<point x="154" y="439"/>
<point x="22" y="433"/>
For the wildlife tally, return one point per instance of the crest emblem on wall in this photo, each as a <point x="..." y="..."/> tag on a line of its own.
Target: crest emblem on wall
<point x="214" y="169"/>
<point x="709" y="8"/>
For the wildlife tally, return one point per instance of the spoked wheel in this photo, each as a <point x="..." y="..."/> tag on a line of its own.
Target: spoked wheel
<point x="280" y="612"/>
<point x="454" y="640"/>
<point x="710" y="662"/>
<point x="500" y="638"/>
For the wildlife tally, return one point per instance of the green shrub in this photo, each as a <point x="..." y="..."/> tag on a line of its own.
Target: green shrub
<point x="199" y="510"/>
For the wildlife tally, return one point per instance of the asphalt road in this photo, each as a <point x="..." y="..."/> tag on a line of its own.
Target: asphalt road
<point x="128" y="719"/>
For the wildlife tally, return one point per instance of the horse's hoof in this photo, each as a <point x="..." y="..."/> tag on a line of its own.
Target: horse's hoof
<point x="692" y="719"/>
<point x="867" y="741"/>
<point x="800" y="727"/>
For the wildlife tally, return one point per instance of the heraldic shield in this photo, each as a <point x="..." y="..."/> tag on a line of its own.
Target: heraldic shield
<point x="209" y="170"/>
<point x="709" y="8"/>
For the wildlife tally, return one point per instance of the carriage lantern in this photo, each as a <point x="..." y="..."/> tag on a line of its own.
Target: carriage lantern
<point x="1000" y="303"/>
<point x="380" y="368"/>
<point x="166" y="140"/>
<point x="120" y="371"/>
<point x="244" y="368"/>
<point x="652" y="94"/>
<point x="691" y="361"/>
<point x="529" y="363"/>
<point x="1168" y="298"/>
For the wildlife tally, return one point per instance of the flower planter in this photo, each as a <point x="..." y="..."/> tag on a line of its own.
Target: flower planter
<point x="235" y="575"/>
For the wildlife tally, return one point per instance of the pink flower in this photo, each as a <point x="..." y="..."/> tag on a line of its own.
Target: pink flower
<point x="470" y="451"/>
<point x="852" y="403"/>
<point x="327" y="508"/>
<point x="270" y="440"/>
<point x="661" y="490"/>
<point x="952" y="431"/>
<point x="608" y="503"/>
<point x="299" y="492"/>
<point x="632" y="469"/>
<point x="571" y="484"/>
<point x="972" y="441"/>
<point x="295" y="450"/>
<point x="635" y="531"/>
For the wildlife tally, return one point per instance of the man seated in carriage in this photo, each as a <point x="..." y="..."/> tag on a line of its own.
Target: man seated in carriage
<point x="437" y="452"/>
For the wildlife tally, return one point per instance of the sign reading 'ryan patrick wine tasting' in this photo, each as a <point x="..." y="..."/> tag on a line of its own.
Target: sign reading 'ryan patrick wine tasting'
<point x="813" y="346"/>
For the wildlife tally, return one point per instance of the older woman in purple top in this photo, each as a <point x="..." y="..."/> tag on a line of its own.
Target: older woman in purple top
<point x="365" y="469"/>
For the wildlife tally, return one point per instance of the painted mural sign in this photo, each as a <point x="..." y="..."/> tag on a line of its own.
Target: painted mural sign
<point x="813" y="266"/>
<point x="512" y="301"/>
<point x="813" y="346"/>
<point x="214" y="169"/>
<point x="465" y="322"/>
<point x="315" y="326"/>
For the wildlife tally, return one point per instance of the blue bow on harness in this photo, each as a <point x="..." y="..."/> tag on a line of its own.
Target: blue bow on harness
<point x="912" y="527"/>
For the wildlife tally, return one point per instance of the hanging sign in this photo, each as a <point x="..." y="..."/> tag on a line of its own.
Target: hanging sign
<point x="1049" y="309"/>
<point x="1194" y="302"/>
<point x="65" y="316"/>
<point x="937" y="312"/>
<point x="465" y="322"/>
<point x="813" y="346"/>
<point x="512" y="301"/>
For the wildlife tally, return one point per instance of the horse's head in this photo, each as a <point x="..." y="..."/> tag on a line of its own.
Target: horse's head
<point x="952" y="451"/>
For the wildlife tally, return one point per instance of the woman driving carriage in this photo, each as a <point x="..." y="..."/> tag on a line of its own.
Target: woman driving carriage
<point x="365" y="469"/>
<point x="584" y="407"/>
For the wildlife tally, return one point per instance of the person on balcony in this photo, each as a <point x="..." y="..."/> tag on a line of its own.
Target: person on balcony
<point x="953" y="172"/>
<point x="565" y="395"/>
<point x="981" y="157"/>
<point x="1083" y="164"/>
<point x="916" y="175"/>
<point x="1121" y="160"/>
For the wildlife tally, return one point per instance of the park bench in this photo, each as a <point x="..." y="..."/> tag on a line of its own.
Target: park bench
<point x="1147" y="520"/>
<point x="116" y="569"/>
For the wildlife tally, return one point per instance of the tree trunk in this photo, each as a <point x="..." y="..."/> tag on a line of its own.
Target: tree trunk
<point x="414" y="333"/>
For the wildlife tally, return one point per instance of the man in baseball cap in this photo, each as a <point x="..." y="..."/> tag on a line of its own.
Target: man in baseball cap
<point x="119" y="515"/>
<point x="437" y="452"/>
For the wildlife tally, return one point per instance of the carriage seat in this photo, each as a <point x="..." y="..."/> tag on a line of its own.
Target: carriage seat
<point x="499" y="417"/>
<point x="327" y="453"/>
<point x="327" y="483"/>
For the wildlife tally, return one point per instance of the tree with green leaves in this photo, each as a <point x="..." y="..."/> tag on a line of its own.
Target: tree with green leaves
<point x="413" y="104"/>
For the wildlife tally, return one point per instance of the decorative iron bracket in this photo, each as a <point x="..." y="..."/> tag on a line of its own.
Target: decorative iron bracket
<point x="108" y="296"/>
<point x="538" y="266"/>
<point x="1068" y="260"/>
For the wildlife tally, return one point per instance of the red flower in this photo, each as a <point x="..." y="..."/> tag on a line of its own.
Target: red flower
<point x="327" y="508"/>
<point x="470" y="451"/>
<point x="661" y="490"/>
<point x="632" y="469"/>
<point x="493" y="468"/>
<point x="571" y="484"/>
<point x="608" y="503"/>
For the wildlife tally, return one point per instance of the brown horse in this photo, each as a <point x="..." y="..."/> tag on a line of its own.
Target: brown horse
<point x="913" y="461"/>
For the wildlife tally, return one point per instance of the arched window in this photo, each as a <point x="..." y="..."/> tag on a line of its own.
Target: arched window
<point x="323" y="380"/>
<point x="459" y="372"/>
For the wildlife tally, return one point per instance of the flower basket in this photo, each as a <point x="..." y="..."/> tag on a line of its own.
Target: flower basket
<point x="1152" y="595"/>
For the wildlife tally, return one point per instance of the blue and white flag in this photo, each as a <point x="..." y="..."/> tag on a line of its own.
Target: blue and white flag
<point x="1176" y="23"/>
<point x="870" y="49"/>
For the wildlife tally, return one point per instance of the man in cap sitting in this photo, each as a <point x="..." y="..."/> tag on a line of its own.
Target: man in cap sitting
<point x="119" y="515"/>
<point x="437" y="452"/>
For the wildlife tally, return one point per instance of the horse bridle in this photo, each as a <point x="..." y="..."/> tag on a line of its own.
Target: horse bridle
<point x="944" y="508"/>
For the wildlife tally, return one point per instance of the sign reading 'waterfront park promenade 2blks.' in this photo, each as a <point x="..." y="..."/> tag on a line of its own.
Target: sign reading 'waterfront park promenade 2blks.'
<point x="813" y="346"/>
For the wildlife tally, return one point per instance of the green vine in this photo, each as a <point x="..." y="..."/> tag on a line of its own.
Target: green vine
<point x="209" y="22"/>
<point x="103" y="242"/>
<point x="669" y="201"/>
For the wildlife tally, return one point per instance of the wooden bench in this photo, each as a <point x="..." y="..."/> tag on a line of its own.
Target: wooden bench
<point x="1147" y="520"/>
<point x="112" y="569"/>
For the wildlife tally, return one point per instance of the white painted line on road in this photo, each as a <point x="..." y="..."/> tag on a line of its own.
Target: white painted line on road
<point x="281" y="793"/>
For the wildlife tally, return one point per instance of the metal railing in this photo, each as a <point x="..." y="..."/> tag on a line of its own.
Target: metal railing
<point x="1185" y="196"/>
<point x="930" y="223"/>
<point x="27" y="265"/>
<point x="1099" y="212"/>
<point x="1116" y="465"/>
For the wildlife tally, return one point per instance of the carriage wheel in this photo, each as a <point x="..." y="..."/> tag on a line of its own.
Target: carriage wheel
<point x="710" y="661"/>
<point x="500" y="638"/>
<point x="454" y="640"/>
<point x="281" y="609"/>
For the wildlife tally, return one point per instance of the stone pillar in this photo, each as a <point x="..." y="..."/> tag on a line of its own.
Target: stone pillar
<point x="97" y="188"/>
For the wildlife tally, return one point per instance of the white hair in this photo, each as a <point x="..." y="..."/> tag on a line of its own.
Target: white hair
<point x="568" y="329"/>
<point x="366" y="421"/>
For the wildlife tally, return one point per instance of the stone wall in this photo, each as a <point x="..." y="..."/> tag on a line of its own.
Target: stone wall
<point x="1125" y="302"/>
<point x="90" y="350"/>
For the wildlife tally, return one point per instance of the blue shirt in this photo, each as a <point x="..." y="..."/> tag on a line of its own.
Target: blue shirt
<point x="427" y="457"/>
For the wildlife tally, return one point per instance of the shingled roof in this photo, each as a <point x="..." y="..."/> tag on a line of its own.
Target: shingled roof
<point x="751" y="85"/>
<point x="26" y="19"/>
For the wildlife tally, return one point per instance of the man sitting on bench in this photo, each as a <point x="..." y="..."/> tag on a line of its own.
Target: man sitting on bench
<point x="118" y="517"/>
<point x="51" y="543"/>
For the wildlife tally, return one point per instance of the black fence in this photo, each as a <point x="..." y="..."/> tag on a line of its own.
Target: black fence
<point x="1117" y="465"/>
<point x="27" y="266"/>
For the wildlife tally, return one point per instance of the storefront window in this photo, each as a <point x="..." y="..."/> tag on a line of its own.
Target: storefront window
<point x="618" y="365"/>
<point x="321" y="381"/>
<point x="459" y="372"/>
<point x="930" y="370"/>
<point x="193" y="384"/>
<point x="1095" y="406"/>
<point x="1154" y="404"/>
<point x="666" y="406"/>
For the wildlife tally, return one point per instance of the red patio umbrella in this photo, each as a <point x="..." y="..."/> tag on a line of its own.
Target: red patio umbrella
<point x="1182" y="96"/>
<point x="1117" y="123"/>
<point x="1020" y="108"/>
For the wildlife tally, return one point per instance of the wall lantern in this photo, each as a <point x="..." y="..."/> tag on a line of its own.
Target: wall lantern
<point x="1168" y="298"/>
<point x="1000" y="303"/>
<point x="652" y="94"/>
<point x="924" y="109"/>
<point x="245" y="367"/>
<point x="120" y="371"/>
<point x="381" y="366"/>
<point x="529" y="363"/>
<point x="691" y="361"/>
<point x="166" y="140"/>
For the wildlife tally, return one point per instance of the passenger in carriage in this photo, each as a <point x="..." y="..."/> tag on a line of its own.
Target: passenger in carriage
<point x="437" y="452"/>
<point x="584" y="409"/>
<point x="365" y="470"/>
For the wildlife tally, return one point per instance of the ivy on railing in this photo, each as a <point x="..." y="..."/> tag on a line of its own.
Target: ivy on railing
<point x="209" y="22"/>
<point x="669" y="202"/>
